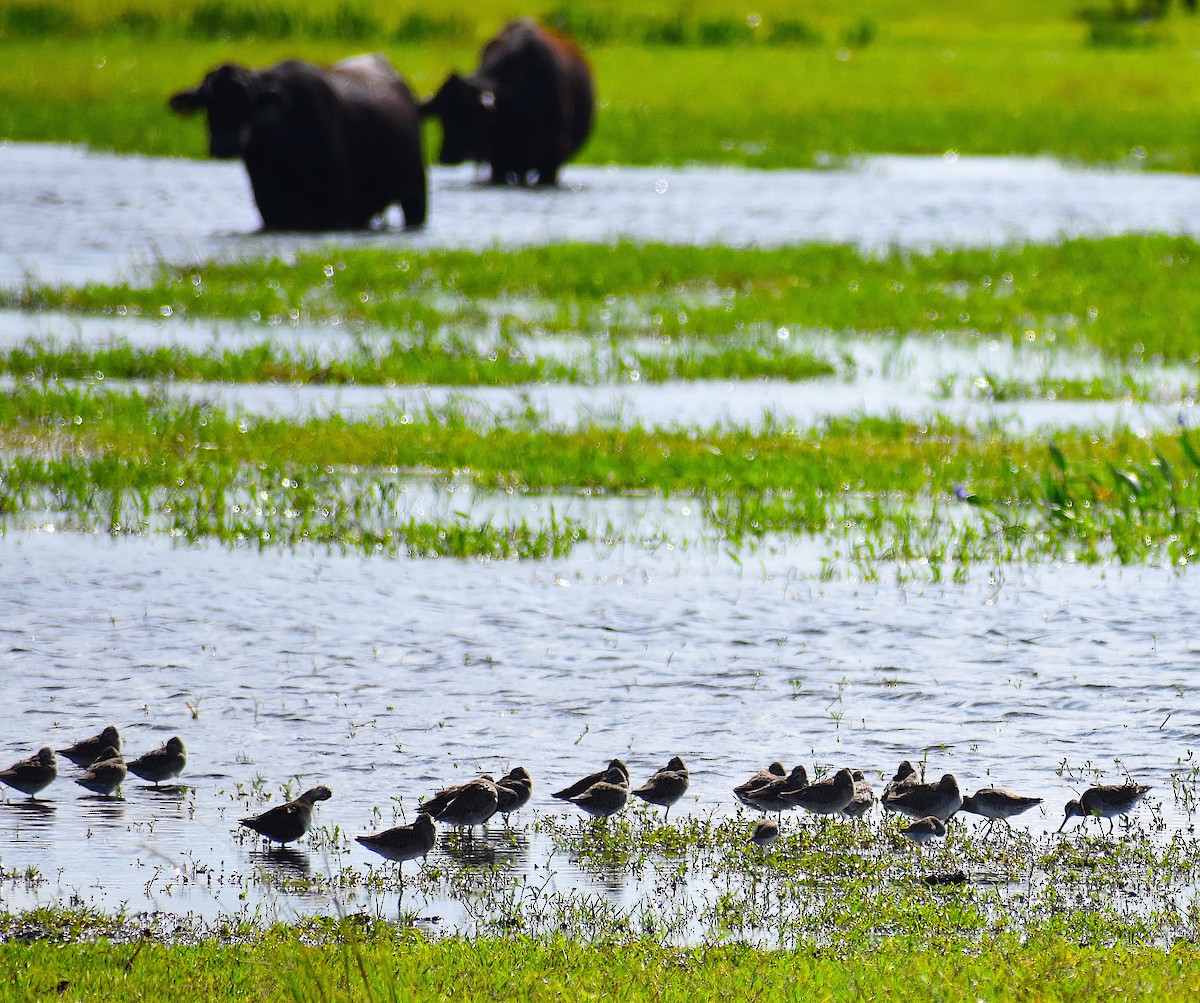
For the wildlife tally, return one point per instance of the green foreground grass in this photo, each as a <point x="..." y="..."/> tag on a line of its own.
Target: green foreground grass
<point x="770" y="87"/>
<point x="379" y="964"/>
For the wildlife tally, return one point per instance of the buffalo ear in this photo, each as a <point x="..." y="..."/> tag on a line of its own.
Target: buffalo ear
<point x="188" y="102"/>
<point x="271" y="104"/>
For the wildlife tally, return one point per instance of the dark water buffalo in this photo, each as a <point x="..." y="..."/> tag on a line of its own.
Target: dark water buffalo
<point x="326" y="149"/>
<point x="526" y="110"/>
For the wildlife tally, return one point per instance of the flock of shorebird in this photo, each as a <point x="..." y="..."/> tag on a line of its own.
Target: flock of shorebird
<point x="104" y="768"/>
<point x="771" y="791"/>
<point x="849" y="793"/>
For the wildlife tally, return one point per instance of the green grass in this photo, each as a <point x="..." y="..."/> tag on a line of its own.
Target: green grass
<point x="396" y="363"/>
<point x="880" y="493"/>
<point x="998" y="389"/>
<point x="1134" y="299"/>
<point x="792" y="89"/>
<point x="877" y="493"/>
<point x="374" y="962"/>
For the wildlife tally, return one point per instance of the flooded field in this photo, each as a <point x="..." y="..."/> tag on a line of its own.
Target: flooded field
<point x="73" y="215"/>
<point x="389" y="678"/>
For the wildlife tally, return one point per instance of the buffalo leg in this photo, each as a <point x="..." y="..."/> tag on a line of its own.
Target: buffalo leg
<point x="413" y="203"/>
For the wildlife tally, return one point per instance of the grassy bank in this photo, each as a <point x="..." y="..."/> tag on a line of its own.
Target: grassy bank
<point x="376" y="963"/>
<point x="771" y="87"/>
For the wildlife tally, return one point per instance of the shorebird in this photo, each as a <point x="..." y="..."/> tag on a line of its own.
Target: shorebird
<point x="776" y="771"/>
<point x="825" y="797"/>
<point x="605" y="797"/>
<point x="666" y="786"/>
<point x="287" y="822"/>
<point x="404" y="842"/>
<point x="436" y="804"/>
<point x="577" y="788"/>
<point x="471" y="804"/>
<point x="1106" y="801"/>
<point x="942" y="799"/>
<point x="924" y="829"/>
<point x="105" y="775"/>
<point x="161" y="764"/>
<point x="513" y="791"/>
<point x="995" y="804"/>
<point x="864" y="796"/>
<point x="32" y="775"/>
<point x="767" y="798"/>
<point x="906" y="776"/>
<point x="88" y="750"/>
<point x="765" y="832"/>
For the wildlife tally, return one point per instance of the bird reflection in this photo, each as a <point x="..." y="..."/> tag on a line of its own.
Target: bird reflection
<point x="101" y="808"/>
<point x="503" y="846"/>
<point x="609" y="877"/>
<point x="37" y="816"/>
<point x="165" y="792"/>
<point x="284" y="859"/>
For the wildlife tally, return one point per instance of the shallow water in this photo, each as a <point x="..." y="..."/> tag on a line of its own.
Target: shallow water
<point x="905" y="377"/>
<point x="72" y="215"/>
<point x="387" y="679"/>
<point x="703" y="403"/>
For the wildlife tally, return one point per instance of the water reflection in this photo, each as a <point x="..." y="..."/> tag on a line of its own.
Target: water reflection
<point x="488" y="848"/>
<point x="286" y="861"/>
<point x="98" y="808"/>
<point x="32" y="815"/>
<point x="169" y="793"/>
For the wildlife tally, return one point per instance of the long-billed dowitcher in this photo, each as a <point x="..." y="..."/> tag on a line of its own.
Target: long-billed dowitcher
<point x="924" y="829"/>
<point x="513" y="791"/>
<point x="666" y="786"/>
<point x="404" y="842"/>
<point x="581" y="785"/>
<point x="942" y="799"/>
<point x="767" y="798"/>
<point x="160" y="764"/>
<point x="472" y="804"/>
<point x="288" y="822"/>
<point x="32" y="775"/>
<point x="86" y="751"/>
<point x="765" y="832"/>
<point x="1106" y="801"/>
<point x="995" y="804"/>
<point x="105" y="775"/>
<point x="825" y="797"/>
<point x="605" y="797"/>
<point x="906" y="776"/>
<point x="776" y="771"/>
<point x="864" y="796"/>
<point x="437" y="803"/>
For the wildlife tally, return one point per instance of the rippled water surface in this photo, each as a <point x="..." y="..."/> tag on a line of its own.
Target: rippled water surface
<point x="389" y="678"/>
<point x="67" y="214"/>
